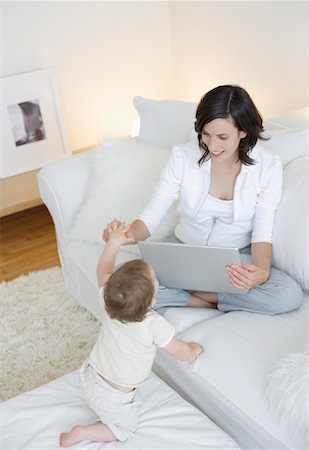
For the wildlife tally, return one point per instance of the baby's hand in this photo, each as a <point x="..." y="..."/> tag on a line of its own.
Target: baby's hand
<point x="117" y="232"/>
<point x="106" y="231"/>
<point x="196" y="348"/>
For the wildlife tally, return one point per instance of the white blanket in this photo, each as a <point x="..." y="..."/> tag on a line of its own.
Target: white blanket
<point x="34" y="420"/>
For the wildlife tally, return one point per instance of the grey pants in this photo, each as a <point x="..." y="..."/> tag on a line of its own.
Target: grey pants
<point x="279" y="294"/>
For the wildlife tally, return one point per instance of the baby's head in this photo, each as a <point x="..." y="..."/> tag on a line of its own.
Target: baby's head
<point x="130" y="291"/>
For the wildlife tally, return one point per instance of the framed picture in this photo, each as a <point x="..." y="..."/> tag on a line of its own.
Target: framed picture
<point x="32" y="132"/>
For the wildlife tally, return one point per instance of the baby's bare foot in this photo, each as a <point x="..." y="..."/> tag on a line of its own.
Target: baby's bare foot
<point x="75" y="435"/>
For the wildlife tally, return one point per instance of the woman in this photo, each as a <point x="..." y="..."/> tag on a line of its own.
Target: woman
<point x="228" y="189"/>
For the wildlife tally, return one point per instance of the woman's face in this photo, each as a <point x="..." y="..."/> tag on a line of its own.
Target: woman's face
<point x="222" y="139"/>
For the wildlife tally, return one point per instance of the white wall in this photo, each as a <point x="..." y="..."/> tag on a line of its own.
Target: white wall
<point x="262" y="46"/>
<point x="104" y="54"/>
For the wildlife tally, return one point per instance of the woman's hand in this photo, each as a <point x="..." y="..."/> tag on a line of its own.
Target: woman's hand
<point x="246" y="276"/>
<point x="137" y="231"/>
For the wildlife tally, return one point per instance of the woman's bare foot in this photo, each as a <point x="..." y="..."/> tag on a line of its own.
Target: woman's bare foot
<point x="203" y="300"/>
<point x="96" y="432"/>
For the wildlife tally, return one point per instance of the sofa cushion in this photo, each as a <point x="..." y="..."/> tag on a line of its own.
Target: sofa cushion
<point x="288" y="144"/>
<point x="120" y="182"/>
<point x="290" y="237"/>
<point x="185" y="318"/>
<point x="252" y="345"/>
<point x="229" y="379"/>
<point x="298" y="118"/>
<point x="165" y="122"/>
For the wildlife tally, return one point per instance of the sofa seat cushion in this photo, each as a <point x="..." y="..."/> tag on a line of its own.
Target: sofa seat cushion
<point x="228" y="381"/>
<point x="185" y="318"/>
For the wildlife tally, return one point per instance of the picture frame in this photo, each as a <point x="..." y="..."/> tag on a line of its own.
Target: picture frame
<point x="32" y="130"/>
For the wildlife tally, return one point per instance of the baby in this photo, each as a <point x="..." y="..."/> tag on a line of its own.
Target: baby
<point x="122" y="357"/>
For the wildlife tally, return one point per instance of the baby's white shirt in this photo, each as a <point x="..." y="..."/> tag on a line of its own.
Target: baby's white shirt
<point x="124" y="352"/>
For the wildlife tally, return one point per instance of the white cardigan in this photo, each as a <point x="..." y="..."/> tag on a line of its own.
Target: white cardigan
<point x="257" y="194"/>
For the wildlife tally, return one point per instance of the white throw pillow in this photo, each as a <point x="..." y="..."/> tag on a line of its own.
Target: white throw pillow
<point x="289" y="145"/>
<point x="287" y="393"/>
<point x="165" y="122"/>
<point x="291" y="239"/>
<point x="121" y="179"/>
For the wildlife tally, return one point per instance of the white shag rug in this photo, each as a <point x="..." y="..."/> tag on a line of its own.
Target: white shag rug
<point x="44" y="332"/>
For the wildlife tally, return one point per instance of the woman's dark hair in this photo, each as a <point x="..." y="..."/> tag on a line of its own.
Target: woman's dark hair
<point x="129" y="291"/>
<point x="230" y="101"/>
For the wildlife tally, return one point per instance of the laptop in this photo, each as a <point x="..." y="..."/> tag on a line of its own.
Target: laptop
<point x="192" y="267"/>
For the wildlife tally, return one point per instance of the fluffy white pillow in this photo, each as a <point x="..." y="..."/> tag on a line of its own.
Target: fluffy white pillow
<point x="287" y="393"/>
<point x="122" y="176"/>
<point x="289" y="145"/>
<point x="165" y="122"/>
<point x="290" y="239"/>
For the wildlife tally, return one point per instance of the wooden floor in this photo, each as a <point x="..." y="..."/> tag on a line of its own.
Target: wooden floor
<point x="27" y="243"/>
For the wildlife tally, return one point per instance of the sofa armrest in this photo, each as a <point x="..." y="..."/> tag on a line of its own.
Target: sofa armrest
<point x="62" y="187"/>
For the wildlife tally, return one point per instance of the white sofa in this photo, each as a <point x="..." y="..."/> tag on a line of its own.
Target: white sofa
<point x="251" y="379"/>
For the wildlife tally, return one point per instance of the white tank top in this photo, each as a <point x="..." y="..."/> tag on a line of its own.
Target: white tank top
<point x="218" y="208"/>
<point x="220" y="212"/>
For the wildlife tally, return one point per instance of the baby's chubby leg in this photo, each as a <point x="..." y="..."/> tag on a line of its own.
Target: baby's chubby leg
<point x="96" y="432"/>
